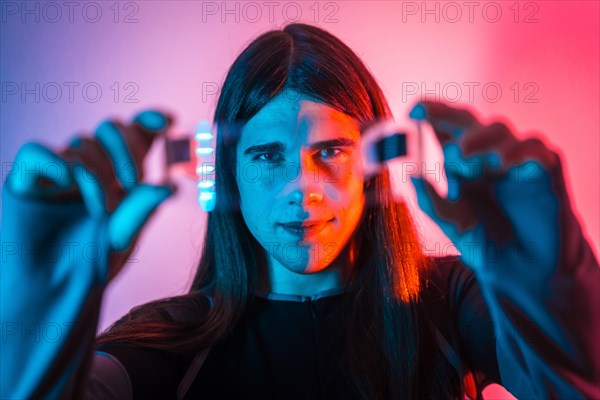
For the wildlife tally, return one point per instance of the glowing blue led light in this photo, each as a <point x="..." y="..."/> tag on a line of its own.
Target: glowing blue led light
<point x="207" y="184"/>
<point x="205" y="165"/>
<point x="206" y="196"/>
<point x="207" y="201"/>
<point x="204" y="136"/>
<point x="204" y="150"/>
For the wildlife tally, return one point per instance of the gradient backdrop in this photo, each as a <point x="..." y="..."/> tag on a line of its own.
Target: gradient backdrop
<point x="65" y="66"/>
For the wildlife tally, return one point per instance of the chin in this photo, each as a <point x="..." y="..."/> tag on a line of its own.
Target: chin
<point x="308" y="261"/>
<point x="304" y="267"/>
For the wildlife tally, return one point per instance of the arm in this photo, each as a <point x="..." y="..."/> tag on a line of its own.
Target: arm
<point x="509" y="214"/>
<point x="546" y="306"/>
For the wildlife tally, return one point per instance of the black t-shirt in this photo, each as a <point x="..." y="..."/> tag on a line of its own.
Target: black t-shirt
<point x="288" y="347"/>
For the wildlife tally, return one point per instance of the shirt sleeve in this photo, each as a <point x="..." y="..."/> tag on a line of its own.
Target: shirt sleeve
<point x="150" y="373"/>
<point x="108" y="379"/>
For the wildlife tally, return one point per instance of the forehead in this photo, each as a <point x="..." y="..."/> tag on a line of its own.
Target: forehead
<point x="297" y="116"/>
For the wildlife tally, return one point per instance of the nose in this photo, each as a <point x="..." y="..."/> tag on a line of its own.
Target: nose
<point x="304" y="184"/>
<point x="298" y="197"/>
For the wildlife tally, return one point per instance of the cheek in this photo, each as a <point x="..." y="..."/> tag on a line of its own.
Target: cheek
<point x="355" y="196"/>
<point x="353" y="204"/>
<point x="347" y="190"/>
<point x="255" y="200"/>
<point x="347" y="197"/>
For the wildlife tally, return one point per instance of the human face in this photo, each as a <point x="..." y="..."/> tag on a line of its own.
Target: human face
<point x="300" y="180"/>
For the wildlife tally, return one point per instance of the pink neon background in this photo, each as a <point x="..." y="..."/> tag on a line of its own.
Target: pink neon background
<point x="170" y="52"/>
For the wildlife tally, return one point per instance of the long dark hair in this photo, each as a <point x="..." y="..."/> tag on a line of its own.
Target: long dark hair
<point x="391" y="351"/>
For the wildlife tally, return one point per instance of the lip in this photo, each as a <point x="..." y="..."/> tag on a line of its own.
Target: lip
<point x="304" y="228"/>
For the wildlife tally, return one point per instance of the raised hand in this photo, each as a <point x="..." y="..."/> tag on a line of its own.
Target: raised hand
<point x="104" y="171"/>
<point x="509" y="215"/>
<point x="503" y="193"/>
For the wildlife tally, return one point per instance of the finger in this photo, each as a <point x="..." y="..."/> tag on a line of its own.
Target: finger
<point x="490" y="145"/>
<point x="531" y="203"/>
<point x="455" y="169"/>
<point x="454" y="218"/>
<point x="502" y="150"/>
<point x="91" y="191"/>
<point x="37" y="171"/>
<point x="490" y="138"/>
<point x="437" y="111"/>
<point x="529" y="150"/>
<point x="447" y="122"/>
<point x="477" y="155"/>
<point x="90" y="153"/>
<point x="111" y="137"/>
<point x="449" y="125"/>
<point x="154" y="121"/>
<point x="133" y="212"/>
<point x="128" y="145"/>
<point x="147" y="126"/>
<point x="460" y="169"/>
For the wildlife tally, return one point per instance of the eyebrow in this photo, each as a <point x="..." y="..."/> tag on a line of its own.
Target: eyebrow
<point x="279" y="146"/>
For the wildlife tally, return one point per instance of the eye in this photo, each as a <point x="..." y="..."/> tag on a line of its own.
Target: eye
<point x="331" y="153"/>
<point x="272" y="157"/>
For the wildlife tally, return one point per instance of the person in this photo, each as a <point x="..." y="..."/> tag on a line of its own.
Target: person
<point x="311" y="283"/>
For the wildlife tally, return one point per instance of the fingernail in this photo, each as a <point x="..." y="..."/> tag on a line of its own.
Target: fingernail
<point x="418" y="112"/>
<point x="152" y="120"/>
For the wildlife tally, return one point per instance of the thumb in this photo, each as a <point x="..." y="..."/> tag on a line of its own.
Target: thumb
<point x="133" y="212"/>
<point x="436" y="207"/>
<point x="425" y="196"/>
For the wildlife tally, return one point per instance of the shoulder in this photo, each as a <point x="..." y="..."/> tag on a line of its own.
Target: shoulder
<point x="449" y="278"/>
<point x="153" y="373"/>
<point x="452" y="295"/>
